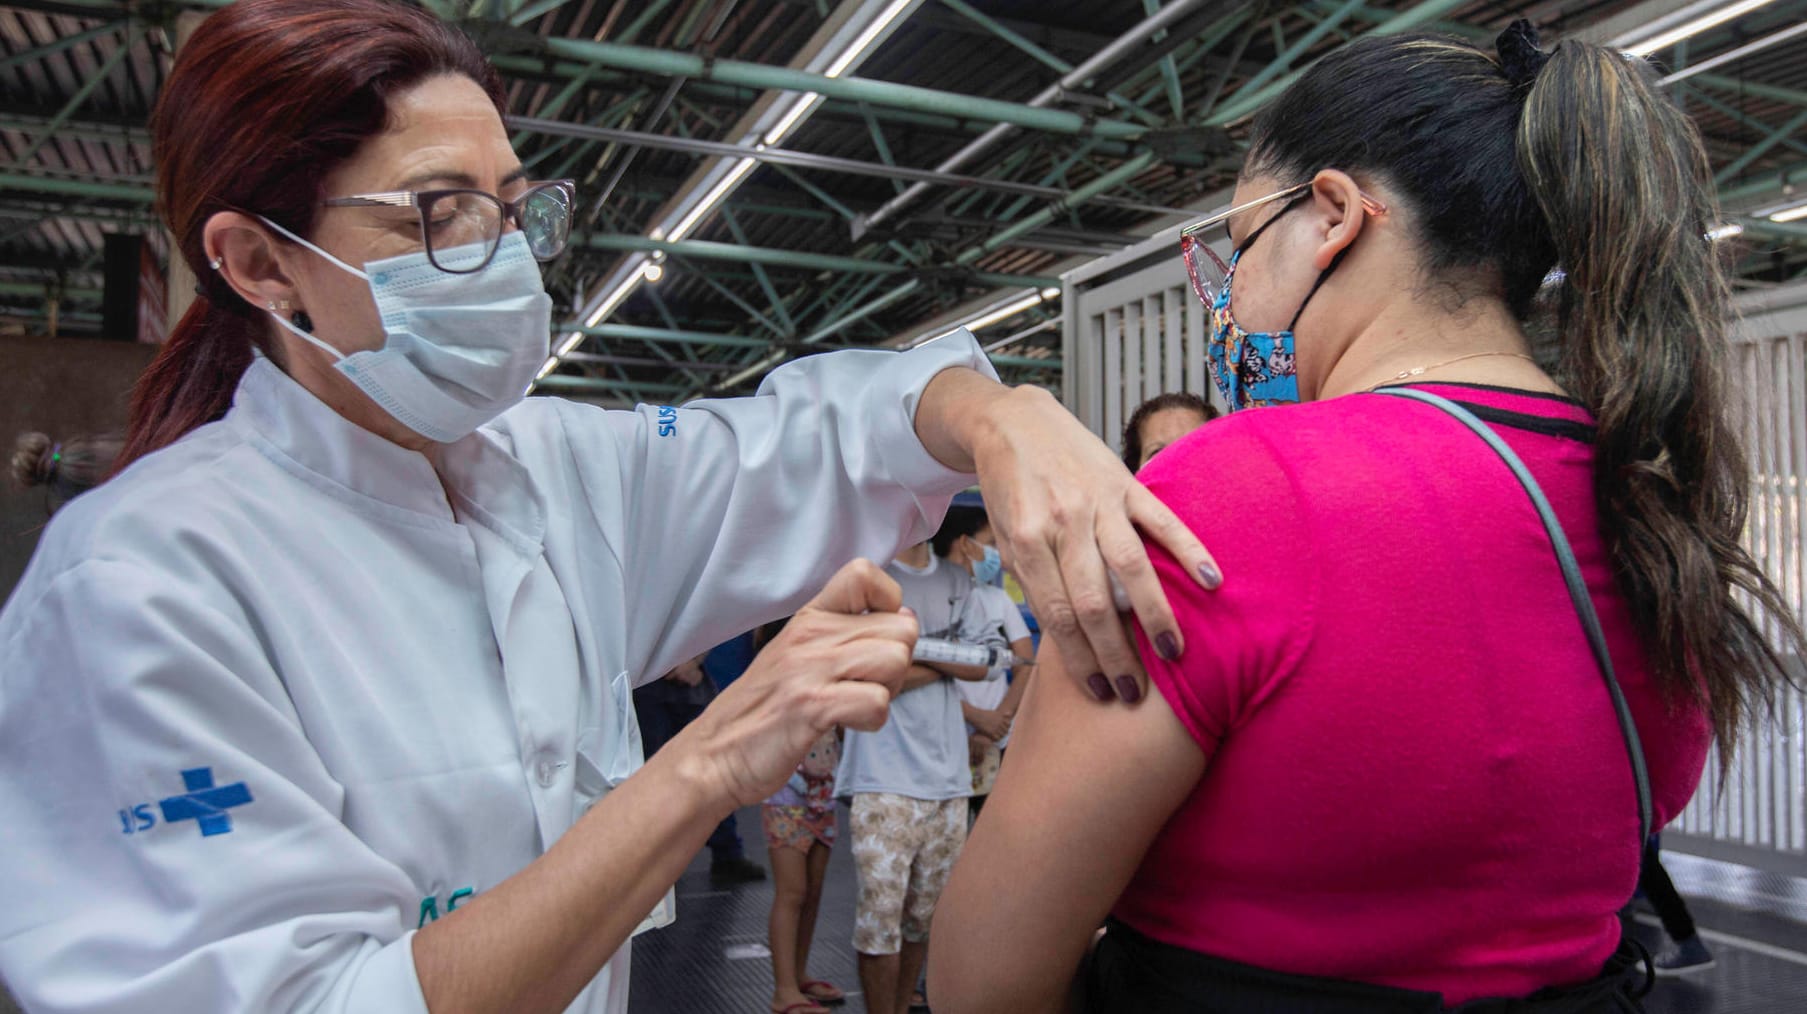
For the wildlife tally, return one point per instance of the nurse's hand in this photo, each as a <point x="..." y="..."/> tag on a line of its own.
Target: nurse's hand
<point x="1068" y="516"/>
<point x="839" y="661"/>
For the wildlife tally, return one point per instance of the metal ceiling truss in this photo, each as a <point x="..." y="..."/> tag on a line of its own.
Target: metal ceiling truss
<point x="1137" y="126"/>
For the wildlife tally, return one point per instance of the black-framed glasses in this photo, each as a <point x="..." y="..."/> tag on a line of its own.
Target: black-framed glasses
<point x="1206" y="270"/>
<point x="454" y="219"/>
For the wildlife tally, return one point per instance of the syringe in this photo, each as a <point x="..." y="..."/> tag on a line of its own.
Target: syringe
<point x="946" y="652"/>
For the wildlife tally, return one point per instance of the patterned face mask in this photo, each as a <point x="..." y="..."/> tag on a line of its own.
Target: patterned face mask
<point x="1251" y="368"/>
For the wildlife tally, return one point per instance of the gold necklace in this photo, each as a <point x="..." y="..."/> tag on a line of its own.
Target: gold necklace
<point x="1418" y="371"/>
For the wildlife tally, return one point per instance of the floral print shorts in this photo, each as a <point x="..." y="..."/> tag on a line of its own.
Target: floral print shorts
<point x="904" y="849"/>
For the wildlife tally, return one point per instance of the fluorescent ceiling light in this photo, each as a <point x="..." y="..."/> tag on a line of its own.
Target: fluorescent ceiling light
<point x="866" y="38"/>
<point x="551" y="364"/>
<point x="1661" y="40"/>
<point x="804" y="105"/>
<point x="721" y="189"/>
<point x="1794" y="214"/>
<point x="800" y="109"/>
<point x="1730" y="230"/>
<point x="1006" y="311"/>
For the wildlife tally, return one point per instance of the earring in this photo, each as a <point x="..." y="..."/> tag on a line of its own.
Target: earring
<point x="303" y="321"/>
<point x="269" y="304"/>
<point x="282" y="304"/>
<point x="214" y="264"/>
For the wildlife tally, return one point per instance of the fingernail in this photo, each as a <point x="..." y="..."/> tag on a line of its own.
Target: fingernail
<point x="1209" y="575"/>
<point x="1167" y="646"/>
<point x="1128" y="690"/>
<point x="1101" y="687"/>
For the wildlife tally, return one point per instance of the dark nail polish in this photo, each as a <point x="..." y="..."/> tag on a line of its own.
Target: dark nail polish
<point x="1128" y="690"/>
<point x="1208" y="574"/>
<point x="1101" y="687"/>
<point x="1167" y="646"/>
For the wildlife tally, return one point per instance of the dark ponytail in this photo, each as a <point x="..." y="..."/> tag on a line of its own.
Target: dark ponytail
<point x="1514" y="164"/>
<point x="1624" y="182"/>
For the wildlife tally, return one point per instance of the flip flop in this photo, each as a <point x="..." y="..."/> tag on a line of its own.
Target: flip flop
<point x="806" y="1007"/>
<point x="824" y="992"/>
<point x="918" y="1001"/>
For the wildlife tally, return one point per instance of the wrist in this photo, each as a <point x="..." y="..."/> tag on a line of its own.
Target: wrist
<point x="699" y="780"/>
<point x="957" y="416"/>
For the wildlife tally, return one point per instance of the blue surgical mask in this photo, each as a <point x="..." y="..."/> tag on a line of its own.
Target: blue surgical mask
<point x="458" y="349"/>
<point x="988" y="568"/>
<point x="1250" y="368"/>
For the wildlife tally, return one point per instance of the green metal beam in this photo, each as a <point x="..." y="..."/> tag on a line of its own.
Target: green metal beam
<point x="1284" y="61"/>
<point x="789" y="326"/>
<point x="667" y="63"/>
<point x="707" y="250"/>
<point x="57" y="46"/>
<point x="76" y="188"/>
<point x="41" y="290"/>
<point x="1765" y="184"/>
<point x="1115" y="177"/>
<point x="120" y="50"/>
<point x="1731" y="113"/>
<point x="669" y="336"/>
<point x="1775" y="93"/>
<point x="1170" y="74"/>
<point x="1246" y="102"/>
<point x="1761" y="148"/>
<point x="566" y="382"/>
<point x="731" y="296"/>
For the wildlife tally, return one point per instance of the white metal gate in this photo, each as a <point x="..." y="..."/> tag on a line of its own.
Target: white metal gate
<point x="1760" y="816"/>
<point x="1133" y="329"/>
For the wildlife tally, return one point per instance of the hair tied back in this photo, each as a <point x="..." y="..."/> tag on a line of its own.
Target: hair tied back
<point x="1520" y="58"/>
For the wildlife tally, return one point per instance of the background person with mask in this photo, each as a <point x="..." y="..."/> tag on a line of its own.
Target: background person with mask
<point x="965" y="540"/>
<point x="323" y="700"/>
<point x="1364" y="787"/>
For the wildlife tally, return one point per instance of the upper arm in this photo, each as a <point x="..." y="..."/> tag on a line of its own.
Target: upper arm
<point x="1089" y="787"/>
<point x="1086" y="790"/>
<point x="123" y="696"/>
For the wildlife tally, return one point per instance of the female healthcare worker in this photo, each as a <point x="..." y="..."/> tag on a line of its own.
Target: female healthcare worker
<point x="319" y="703"/>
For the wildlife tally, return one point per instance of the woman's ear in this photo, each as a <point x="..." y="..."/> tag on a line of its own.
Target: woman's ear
<point x="244" y="254"/>
<point x="1337" y="201"/>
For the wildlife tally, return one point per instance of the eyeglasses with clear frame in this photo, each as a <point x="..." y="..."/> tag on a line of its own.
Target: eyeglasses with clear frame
<point x="452" y="220"/>
<point x="1206" y="270"/>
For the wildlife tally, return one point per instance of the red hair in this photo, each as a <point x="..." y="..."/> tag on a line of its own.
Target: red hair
<point x="265" y="99"/>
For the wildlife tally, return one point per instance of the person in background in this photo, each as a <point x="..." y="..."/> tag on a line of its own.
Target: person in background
<point x="908" y="784"/>
<point x="799" y="825"/>
<point x="1687" y="952"/>
<point x="1159" y="421"/>
<point x="1365" y="787"/>
<point x="966" y="540"/>
<point x="663" y="708"/>
<point x="66" y="469"/>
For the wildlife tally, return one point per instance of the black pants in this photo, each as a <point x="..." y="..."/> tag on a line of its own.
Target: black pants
<point x="1131" y="972"/>
<point x="1654" y="881"/>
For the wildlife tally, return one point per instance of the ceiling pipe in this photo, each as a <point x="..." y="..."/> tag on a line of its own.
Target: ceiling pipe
<point x="807" y="160"/>
<point x="668" y="63"/>
<point x="1123" y="46"/>
<point x="710" y="250"/>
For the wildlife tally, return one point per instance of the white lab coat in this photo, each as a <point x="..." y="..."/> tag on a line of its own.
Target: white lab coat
<point x="267" y="702"/>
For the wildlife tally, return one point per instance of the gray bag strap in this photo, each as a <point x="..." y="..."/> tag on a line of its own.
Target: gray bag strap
<point x="1571" y="574"/>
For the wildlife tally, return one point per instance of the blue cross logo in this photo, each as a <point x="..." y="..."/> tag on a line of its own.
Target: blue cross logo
<point x="204" y="804"/>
